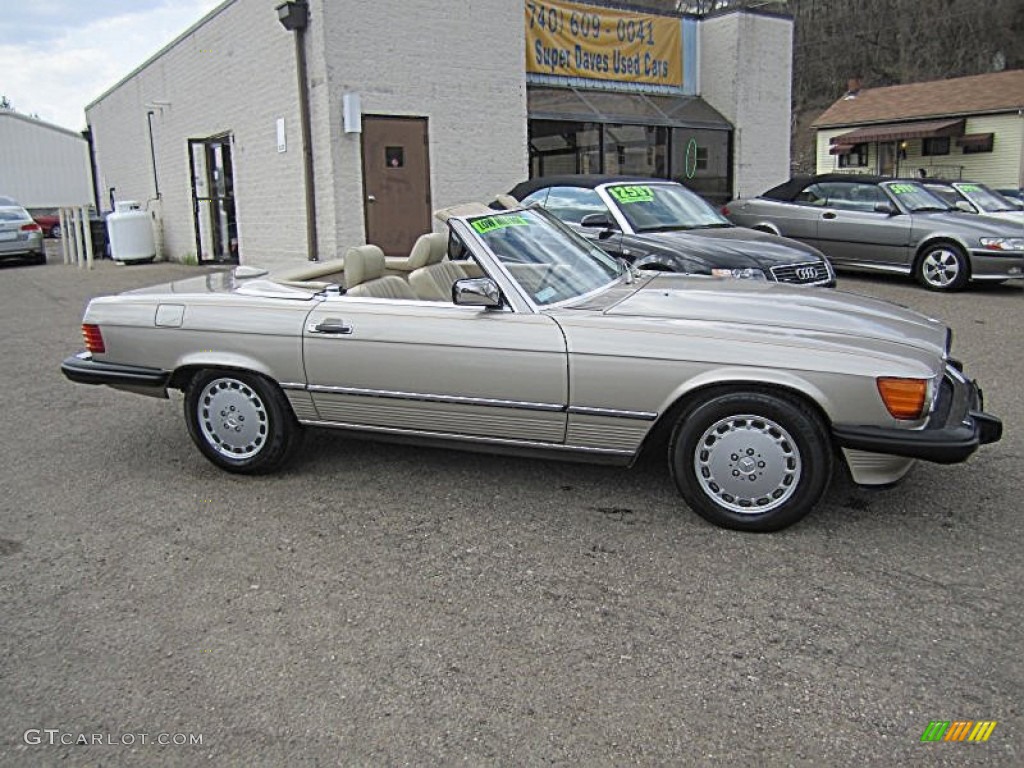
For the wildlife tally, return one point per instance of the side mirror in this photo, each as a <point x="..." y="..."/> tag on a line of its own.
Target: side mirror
<point x="885" y="208"/>
<point x="966" y="207"/>
<point x="597" y="221"/>
<point x="476" y="292"/>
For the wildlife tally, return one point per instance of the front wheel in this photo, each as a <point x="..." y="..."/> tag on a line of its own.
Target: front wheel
<point x="240" y="421"/>
<point x="942" y="267"/>
<point x="751" y="461"/>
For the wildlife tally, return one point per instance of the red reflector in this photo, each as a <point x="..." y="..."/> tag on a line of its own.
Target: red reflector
<point x="93" y="339"/>
<point x="33" y="227"/>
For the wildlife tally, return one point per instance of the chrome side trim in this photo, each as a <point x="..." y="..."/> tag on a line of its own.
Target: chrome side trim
<point x="419" y="396"/>
<point x="291" y="385"/>
<point x="499" y="441"/>
<point x="584" y="411"/>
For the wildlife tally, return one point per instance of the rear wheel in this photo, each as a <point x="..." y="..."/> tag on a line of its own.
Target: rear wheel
<point x="751" y="461"/>
<point x="240" y="421"/>
<point x="942" y="267"/>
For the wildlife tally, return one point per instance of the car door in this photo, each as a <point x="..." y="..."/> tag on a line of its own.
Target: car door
<point x="798" y="218"/>
<point x="851" y="231"/>
<point x="431" y="367"/>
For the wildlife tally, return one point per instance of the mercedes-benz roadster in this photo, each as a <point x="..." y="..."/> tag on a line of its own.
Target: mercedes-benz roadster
<point x="511" y="333"/>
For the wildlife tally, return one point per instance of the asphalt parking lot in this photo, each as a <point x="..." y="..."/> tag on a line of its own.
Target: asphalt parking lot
<point x="387" y="605"/>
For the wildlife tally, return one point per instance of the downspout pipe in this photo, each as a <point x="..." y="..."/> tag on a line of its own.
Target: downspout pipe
<point x="294" y="16"/>
<point x="152" y="155"/>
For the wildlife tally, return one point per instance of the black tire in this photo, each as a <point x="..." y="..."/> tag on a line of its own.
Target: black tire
<point x="39" y="258"/>
<point x="258" y="447"/>
<point x="777" y="443"/>
<point x="942" y="267"/>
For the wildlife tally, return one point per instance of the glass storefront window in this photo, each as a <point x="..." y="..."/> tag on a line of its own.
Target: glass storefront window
<point x="700" y="161"/>
<point x="560" y="146"/>
<point x="636" y="150"/>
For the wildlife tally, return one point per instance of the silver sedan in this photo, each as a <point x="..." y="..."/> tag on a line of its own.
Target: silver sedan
<point x="886" y="225"/>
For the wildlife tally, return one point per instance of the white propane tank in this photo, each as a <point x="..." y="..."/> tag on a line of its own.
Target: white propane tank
<point x="130" y="232"/>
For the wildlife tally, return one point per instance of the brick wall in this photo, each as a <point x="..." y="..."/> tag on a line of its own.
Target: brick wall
<point x="232" y="73"/>
<point x="746" y="74"/>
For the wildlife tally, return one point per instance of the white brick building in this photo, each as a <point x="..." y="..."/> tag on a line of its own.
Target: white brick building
<point x="207" y="133"/>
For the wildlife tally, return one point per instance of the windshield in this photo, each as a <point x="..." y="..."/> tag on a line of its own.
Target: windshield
<point x="664" y="208"/>
<point x="551" y="262"/>
<point x="985" y="198"/>
<point x="916" y="198"/>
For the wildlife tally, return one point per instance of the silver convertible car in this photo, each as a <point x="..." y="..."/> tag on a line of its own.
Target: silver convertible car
<point x="511" y="333"/>
<point x="886" y="225"/>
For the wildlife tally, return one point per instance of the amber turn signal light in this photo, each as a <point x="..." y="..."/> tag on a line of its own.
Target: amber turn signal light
<point x="904" y="398"/>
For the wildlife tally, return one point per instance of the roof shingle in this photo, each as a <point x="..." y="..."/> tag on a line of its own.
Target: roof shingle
<point x="995" y="92"/>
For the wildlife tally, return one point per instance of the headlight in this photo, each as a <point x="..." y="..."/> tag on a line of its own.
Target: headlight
<point x="1003" y="243"/>
<point x="742" y="274"/>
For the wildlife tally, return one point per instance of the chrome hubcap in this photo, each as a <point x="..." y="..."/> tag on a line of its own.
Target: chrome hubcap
<point x="232" y="418"/>
<point x="747" y="464"/>
<point x="940" y="267"/>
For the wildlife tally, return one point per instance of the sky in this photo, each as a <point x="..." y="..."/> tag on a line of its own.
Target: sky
<point x="56" y="56"/>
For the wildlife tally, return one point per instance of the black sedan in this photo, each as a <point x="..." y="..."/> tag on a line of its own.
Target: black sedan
<point x="661" y="225"/>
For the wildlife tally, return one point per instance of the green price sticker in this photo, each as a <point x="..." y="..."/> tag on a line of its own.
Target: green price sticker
<point x="970" y="188"/>
<point x="632" y="194"/>
<point x="491" y="223"/>
<point x="901" y="189"/>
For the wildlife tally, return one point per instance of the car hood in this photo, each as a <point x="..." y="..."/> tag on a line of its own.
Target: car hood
<point x="782" y="309"/>
<point x="733" y="247"/>
<point x="971" y="223"/>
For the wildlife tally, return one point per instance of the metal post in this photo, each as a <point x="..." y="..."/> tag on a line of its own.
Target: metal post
<point x="80" y="260"/>
<point x="65" y="251"/>
<point x="87" y="234"/>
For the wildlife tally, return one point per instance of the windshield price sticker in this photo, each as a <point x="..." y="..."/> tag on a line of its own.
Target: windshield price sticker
<point x="491" y="223"/>
<point x="902" y="189"/>
<point x="970" y="187"/>
<point x="632" y="194"/>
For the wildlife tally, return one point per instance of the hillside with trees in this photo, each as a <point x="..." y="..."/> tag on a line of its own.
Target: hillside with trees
<point x="879" y="43"/>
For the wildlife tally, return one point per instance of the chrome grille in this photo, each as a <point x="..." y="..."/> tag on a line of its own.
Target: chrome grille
<point x="810" y="272"/>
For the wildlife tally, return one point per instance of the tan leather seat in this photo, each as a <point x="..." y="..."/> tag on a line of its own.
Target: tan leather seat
<point x="428" y="249"/>
<point x="434" y="282"/>
<point x="432" y="277"/>
<point x="364" y="275"/>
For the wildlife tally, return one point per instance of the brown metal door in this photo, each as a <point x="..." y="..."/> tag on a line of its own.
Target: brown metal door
<point x="396" y="182"/>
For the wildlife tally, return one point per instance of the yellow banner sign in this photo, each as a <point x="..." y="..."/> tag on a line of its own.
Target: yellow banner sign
<point x="576" y="40"/>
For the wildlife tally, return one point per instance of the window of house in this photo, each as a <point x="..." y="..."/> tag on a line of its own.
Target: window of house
<point x="983" y="143"/>
<point x="938" y="145"/>
<point x="856" y="158"/>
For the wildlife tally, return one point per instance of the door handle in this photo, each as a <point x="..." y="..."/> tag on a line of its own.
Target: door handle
<point x="371" y="198"/>
<point x="332" y="325"/>
<point x="828" y="215"/>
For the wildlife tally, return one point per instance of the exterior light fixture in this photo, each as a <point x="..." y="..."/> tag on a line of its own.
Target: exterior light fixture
<point x="293" y="15"/>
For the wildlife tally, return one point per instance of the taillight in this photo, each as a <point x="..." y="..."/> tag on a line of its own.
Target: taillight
<point x="905" y="398"/>
<point x="33" y="227"/>
<point x="93" y="339"/>
<point x="725" y="210"/>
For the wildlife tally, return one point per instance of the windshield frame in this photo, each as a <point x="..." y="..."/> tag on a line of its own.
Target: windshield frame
<point x="627" y="225"/>
<point x="496" y="268"/>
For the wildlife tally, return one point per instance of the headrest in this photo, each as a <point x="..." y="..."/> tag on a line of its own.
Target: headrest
<point x="362" y="263"/>
<point x="428" y="249"/>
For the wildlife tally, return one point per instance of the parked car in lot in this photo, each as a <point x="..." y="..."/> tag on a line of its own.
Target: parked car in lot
<point x="535" y="341"/>
<point x="20" y="237"/>
<point x="879" y="224"/>
<point x="1015" y="195"/>
<point x="661" y="225"/>
<point x="971" y="197"/>
<point x="49" y="222"/>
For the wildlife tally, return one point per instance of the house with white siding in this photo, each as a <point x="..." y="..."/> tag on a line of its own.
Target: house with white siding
<point x="968" y="128"/>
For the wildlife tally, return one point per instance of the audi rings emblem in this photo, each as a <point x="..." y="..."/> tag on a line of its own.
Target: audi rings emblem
<point x="807" y="273"/>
